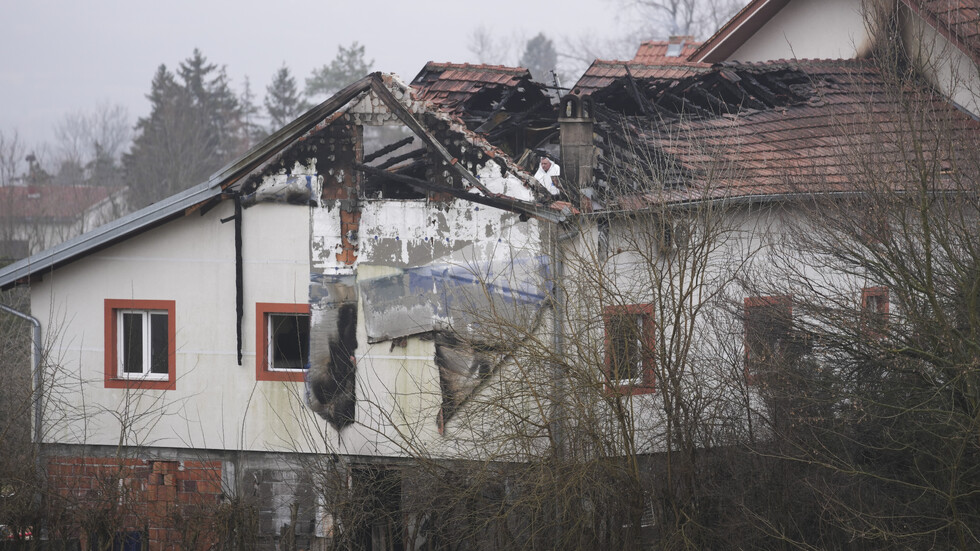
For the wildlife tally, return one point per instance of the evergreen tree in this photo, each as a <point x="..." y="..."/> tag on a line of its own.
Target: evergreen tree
<point x="194" y="128"/>
<point x="348" y="66"/>
<point x="103" y="169"/>
<point x="282" y="100"/>
<point x="252" y="131"/>
<point x="211" y="97"/>
<point x="540" y="57"/>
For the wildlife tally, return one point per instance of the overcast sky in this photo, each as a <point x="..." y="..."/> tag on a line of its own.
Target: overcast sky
<point x="60" y="57"/>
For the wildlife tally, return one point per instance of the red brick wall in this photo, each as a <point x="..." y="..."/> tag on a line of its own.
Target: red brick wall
<point x="166" y="500"/>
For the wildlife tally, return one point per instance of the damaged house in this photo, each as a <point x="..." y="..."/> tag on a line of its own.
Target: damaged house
<point x="382" y="288"/>
<point x="315" y="298"/>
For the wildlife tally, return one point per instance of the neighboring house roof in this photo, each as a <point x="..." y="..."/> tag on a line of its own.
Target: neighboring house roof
<point x="758" y="130"/>
<point x="265" y="155"/>
<point x="49" y="203"/>
<point x="958" y="20"/>
<point x="653" y="59"/>
<point x="666" y="52"/>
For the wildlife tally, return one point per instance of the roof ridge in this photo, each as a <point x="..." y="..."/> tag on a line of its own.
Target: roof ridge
<point x="475" y="66"/>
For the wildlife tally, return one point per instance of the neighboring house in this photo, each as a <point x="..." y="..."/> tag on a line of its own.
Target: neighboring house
<point x="34" y="218"/>
<point x="371" y="288"/>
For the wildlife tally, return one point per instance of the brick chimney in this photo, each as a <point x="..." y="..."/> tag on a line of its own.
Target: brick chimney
<point x="578" y="151"/>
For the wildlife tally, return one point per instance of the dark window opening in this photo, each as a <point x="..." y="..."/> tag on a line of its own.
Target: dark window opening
<point x="626" y="348"/>
<point x="289" y="341"/>
<point x="768" y="333"/>
<point x="874" y="310"/>
<point x="629" y="348"/>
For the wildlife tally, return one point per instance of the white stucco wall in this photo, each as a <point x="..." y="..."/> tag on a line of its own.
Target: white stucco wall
<point x="809" y="29"/>
<point x="216" y="403"/>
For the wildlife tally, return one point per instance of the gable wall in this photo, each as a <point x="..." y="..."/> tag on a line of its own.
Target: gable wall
<point x="217" y="403"/>
<point x="946" y="67"/>
<point x="809" y="29"/>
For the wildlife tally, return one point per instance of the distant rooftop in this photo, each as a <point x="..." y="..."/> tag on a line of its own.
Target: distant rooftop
<point x="653" y="59"/>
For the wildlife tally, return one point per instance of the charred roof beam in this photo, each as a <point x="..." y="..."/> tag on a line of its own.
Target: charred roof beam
<point x="523" y="208"/>
<point x="388" y="149"/>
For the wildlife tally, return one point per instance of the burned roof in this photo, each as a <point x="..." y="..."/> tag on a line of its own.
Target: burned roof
<point x="760" y="129"/>
<point x="463" y="88"/>
<point x="502" y="104"/>
<point x="664" y="59"/>
<point x="431" y="124"/>
<point x="604" y="72"/>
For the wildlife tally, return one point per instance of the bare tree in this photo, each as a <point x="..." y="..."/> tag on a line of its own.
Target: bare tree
<point x="871" y="387"/>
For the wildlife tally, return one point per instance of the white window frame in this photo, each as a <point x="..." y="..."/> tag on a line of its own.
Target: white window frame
<point x="147" y="344"/>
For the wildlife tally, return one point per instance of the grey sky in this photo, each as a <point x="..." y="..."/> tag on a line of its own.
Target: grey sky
<point x="59" y="57"/>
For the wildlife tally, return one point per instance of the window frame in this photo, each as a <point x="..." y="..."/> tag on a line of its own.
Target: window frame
<point x="875" y="322"/>
<point x="263" y="311"/>
<point x="114" y="378"/>
<point x="879" y="292"/>
<point x="761" y="302"/>
<point x="646" y="383"/>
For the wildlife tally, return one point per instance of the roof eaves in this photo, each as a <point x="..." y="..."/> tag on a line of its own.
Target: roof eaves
<point x="728" y="38"/>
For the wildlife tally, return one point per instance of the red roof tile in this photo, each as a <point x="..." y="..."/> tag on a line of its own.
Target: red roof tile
<point x="451" y="84"/>
<point x="651" y="61"/>
<point x="836" y="121"/>
<point x="654" y="52"/>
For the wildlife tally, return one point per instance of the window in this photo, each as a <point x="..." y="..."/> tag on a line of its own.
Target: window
<point x="672" y="235"/>
<point x="140" y="349"/>
<point x="874" y="301"/>
<point x="874" y="310"/>
<point x="629" y="348"/>
<point x="768" y="333"/>
<point x="282" y="341"/>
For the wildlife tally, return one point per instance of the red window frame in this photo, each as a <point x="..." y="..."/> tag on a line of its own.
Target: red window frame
<point x="112" y="377"/>
<point x="262" y="311"/>
<point x="869" y="293"/>
<point x="752" y="303"/>
<point x="874" y="321"/>
<point x="647" y="384"/>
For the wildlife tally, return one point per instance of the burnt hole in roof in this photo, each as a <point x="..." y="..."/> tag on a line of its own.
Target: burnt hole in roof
<point x="712" y="94"/>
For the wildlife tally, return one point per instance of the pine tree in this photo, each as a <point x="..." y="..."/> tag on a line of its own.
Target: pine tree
<point x="252" y="131"/>
<point x="282" y="100"/>
<point x="194" y="128"/>
<point x="348" y="66"/>
<point x="540" y="57"/>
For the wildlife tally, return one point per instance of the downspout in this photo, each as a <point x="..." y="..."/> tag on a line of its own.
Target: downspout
<point x="558" y="290"/>
<point x="37" y="381"/>
<point x="239" y="271"/>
